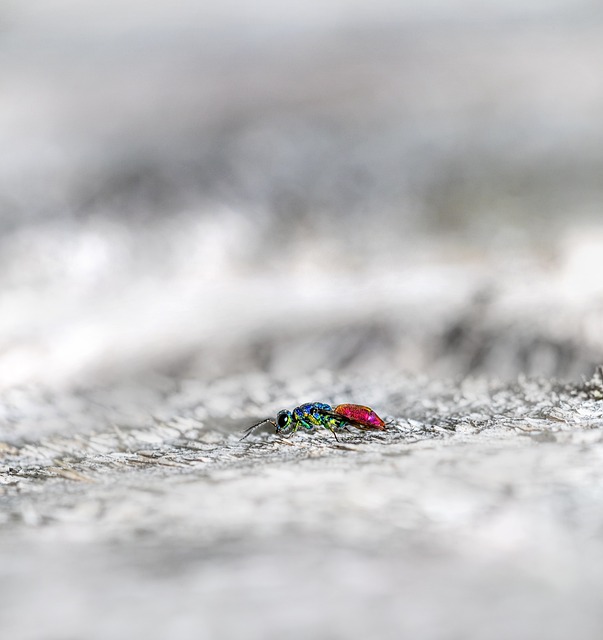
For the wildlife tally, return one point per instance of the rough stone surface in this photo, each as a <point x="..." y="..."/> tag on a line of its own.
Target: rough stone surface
<point x="476" y="515"/>
<point x="210" y="214"/>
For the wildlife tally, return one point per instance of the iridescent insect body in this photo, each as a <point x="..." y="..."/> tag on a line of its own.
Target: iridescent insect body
<point x="318" y="414"/>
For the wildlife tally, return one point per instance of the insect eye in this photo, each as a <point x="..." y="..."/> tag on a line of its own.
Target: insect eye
<point x="282" y="419"/>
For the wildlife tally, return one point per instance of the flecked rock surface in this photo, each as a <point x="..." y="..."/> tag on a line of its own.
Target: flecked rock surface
<point x="477" y="515"/>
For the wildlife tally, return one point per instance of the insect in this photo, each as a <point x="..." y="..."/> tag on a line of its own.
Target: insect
<point x="319" y="414"/>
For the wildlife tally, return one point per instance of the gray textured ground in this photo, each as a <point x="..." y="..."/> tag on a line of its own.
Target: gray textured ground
<point x="477" y="515"/>
<point x="210" y="212"/>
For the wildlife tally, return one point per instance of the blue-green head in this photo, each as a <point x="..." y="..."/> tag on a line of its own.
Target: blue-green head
<point x="283" y="420"/>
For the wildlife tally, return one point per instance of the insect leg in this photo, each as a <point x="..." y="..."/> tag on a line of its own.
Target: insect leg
<point x="305" y="420"/>
<point x="333" y="432"/>
<point x="330" y="427"/>
<point x="295" y="424"/>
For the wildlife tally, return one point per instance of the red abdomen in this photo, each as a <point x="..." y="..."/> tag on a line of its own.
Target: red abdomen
<point x="363" y="416"/>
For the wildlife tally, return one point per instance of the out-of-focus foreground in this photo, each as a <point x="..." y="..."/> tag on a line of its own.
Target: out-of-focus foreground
<point x="212" y="211"/>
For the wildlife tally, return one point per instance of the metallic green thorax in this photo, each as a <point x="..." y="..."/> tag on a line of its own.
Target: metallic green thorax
<point x="309" y="416"/>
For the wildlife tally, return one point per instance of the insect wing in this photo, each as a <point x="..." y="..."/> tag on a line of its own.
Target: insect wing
<point x="360" y="416"/>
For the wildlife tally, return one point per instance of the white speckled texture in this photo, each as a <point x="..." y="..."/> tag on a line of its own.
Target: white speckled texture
<point x="212" y="211"/>
<point x="477" y="515"/>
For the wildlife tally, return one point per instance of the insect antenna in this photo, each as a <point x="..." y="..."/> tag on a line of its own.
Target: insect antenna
<point x="250" y="429"/>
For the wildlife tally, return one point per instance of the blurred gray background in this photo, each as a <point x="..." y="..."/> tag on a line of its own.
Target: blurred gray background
<point x="199" y="189"/>
<point x="210" y="211"/>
